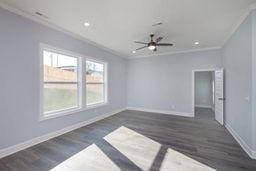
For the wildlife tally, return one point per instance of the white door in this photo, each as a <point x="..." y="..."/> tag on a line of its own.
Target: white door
<point x="219" y="96"/>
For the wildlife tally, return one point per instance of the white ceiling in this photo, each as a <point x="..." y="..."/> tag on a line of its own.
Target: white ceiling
<point x="116" y="24"/>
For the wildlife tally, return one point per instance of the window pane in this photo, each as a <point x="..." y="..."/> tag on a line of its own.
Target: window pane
<point x="60" y="96"/>
<point x="94" y="93"/>
<point x="95" y="85"/>
<point x="60" y="82"/>
<point x="94" y="72"/>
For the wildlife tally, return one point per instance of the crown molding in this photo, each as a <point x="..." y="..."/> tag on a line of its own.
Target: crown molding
<point x="253" y="6"/>
<point x="49" y="24"/>
<point x="176" y="52"/>
<point x="81" y="38"/>
<point x="233" y="30"/>
<point x="239" y="22"/>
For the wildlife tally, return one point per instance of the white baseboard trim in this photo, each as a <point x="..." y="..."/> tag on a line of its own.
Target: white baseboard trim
<point x="241" y="142"/>
<point x="203" y="106"/>
<point x="167" y="112"/>
<point x="21" y="146"/>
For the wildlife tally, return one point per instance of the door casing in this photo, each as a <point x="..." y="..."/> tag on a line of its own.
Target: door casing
<point x="193" y="86"/>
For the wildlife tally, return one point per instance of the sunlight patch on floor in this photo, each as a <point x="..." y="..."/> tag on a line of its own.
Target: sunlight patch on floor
<point x="91" y="158"/>
<point x="174" y="160"/>
<point x="139" y="149"/>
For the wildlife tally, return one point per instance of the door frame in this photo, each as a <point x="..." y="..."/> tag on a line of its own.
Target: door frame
<point x="193" y="85"/>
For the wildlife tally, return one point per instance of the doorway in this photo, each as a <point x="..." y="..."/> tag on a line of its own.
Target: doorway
<point x="207" y="94"/>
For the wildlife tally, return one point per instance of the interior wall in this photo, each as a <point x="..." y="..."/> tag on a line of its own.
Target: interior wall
<point x="19" y="75"/>
<point x="159" y="82"/>
<point x="165" y="82"/>
<point x="237" y="61"/>
<point x="203" y="89"/>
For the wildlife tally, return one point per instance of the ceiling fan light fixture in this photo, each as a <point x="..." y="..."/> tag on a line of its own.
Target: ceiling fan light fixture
<point x="152" y="47"/>
<point x="153" y="44"/>
<point x="87" y="24"/>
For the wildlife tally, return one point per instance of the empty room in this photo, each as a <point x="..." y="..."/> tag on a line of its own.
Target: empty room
<point x="138" y="85"/>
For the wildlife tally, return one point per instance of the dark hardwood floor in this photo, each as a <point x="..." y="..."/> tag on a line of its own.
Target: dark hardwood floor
<point x="133" y="140"/>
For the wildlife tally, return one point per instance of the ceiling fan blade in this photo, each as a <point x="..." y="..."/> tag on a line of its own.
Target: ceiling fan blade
<point x="141" y="42"/>
<point x="159" y="39"/>
<point x="141" y="47"/>
<point x="164" y="44"/>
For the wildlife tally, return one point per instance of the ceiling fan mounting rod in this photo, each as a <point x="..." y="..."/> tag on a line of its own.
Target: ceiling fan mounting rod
<point x="152" y="35"/>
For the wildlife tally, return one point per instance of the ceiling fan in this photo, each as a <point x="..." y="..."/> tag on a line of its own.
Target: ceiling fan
<point x="152" y="45"/>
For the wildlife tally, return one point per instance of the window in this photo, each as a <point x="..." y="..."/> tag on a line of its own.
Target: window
<point x="70" y="83"/>
<point x="95" y="83"/>
<point x="60" y="82"/>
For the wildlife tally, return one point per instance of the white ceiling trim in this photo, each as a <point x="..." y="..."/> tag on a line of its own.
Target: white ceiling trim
<point x="76" y="36"/>
<point x="239" y="22"/>
<point x="233" y="30"/>
<point x="253" y="6"/>
<point x="55" y="27"/>
<point x="176" y="52"/>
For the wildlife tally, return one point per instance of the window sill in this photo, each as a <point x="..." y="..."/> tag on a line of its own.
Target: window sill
<point x="53" y="115"/>
<point x="96" y="105"/>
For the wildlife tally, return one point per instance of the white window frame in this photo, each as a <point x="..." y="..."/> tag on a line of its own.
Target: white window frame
<point x="62" y="112"/>
<point x="105" y="81"/>
<point x="81" y="81"/>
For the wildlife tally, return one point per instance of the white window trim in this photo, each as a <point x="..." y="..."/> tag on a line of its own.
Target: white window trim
<point x="105" y="81"/>
<point x="81" y="83"/>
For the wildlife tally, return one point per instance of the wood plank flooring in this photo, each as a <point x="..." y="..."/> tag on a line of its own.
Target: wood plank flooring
<point x="133" y="140"/>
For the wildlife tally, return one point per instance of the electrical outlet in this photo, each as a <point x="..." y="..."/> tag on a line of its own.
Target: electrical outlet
<point x="173" y="107"/>
<point x="247" y="98"/>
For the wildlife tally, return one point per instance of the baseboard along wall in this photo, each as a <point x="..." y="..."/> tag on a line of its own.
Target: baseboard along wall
<point x="203" y="106"/>
<point x="241" y="142"/>
<point x="167" y="112"/>
<point x="21" y="146"/>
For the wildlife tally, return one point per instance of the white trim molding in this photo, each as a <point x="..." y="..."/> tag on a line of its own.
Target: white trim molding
<point x="241" y="19"/>
<point x="193" y="84"/>
<point x="175" y="52"/>
<point x="46" y="22"/>
<point x="21" y="146"/>
<point x="166" y="112"/>
<point x="203" y="106"/>
<point x="241" y="142"/>
<point x="52" y="25"/>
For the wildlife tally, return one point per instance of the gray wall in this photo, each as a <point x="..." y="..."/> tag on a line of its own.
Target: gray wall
<point x="160" y="82"/>
<point x="203" y="89"/>
<point x="164" y="82"/>
<point x="237" y="61"/>
<point x="19" y="75"/>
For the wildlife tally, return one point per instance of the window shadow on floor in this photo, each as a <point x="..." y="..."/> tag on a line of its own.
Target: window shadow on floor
<point x="158" y="138"/>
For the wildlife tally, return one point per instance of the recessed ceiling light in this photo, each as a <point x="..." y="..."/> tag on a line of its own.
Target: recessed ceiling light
<point x="86" y="24"/>
<point x="196" y="43"/>
<point x="134" y="51"/>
